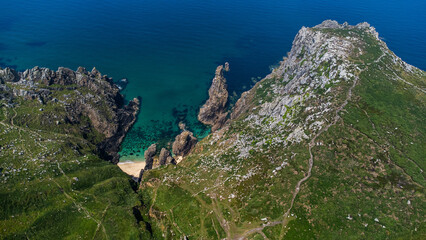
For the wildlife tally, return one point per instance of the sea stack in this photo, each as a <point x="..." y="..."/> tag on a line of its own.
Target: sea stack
<point x="214" y="111"/>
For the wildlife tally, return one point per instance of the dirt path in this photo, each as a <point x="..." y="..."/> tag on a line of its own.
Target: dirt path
<point x="312" y="143"/>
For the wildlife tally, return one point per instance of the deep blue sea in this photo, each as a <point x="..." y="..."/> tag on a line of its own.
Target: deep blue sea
<point x="169" y="49"/>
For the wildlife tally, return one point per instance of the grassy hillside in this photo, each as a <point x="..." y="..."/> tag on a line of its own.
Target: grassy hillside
<point x="53" y="184"/>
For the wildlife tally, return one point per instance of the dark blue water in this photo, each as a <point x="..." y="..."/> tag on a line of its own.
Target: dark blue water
<point x="169" y="49"/>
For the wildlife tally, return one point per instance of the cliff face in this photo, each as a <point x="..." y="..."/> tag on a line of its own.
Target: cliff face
<point x="88" y="95"/>
<point x="328" y="145"/>
<point x="214" y="111"/>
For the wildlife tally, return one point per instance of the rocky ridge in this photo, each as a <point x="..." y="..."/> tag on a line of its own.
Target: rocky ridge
<point x="57" y="128"/>
<point x="91" y="94"/>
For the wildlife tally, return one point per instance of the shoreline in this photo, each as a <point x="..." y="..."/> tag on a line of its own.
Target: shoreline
<point x="131" y="168"/>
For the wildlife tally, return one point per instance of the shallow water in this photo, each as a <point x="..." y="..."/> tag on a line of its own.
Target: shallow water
<point x="169" y="49"/>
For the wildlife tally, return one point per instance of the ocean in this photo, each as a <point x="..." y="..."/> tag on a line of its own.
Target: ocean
<point x="169" y="49"/>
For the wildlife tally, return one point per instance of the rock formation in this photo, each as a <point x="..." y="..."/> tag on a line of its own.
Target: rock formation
<point x="214" y="111"/>
<point x="149" y="156"/>
<point x="163" y="159"/>
<point x="8" y="75"/>
<point x="184" y="143"/>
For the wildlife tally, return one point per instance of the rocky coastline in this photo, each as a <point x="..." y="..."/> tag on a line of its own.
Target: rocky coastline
<point x="213" y="113"/>
<point x="90" y="94"/>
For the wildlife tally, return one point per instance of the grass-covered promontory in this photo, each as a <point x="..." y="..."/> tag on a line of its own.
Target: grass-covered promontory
<point x="328" y="146"/>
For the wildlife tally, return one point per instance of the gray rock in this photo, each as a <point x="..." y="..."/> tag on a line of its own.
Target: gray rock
<point x="8" y="75"/>
<point x="329" y="24"/>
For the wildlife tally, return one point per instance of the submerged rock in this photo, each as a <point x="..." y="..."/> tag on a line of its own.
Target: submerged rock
<point x="149" y="156"/>
<point x="214" y="111"/>
<point x="184" y="143"/>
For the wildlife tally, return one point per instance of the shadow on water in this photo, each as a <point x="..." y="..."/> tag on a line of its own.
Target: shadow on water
<point x="3" y="47"/>
<point x="7" y="62"/>
<point x="5" y="65"/>
<point x="36" y="43"/>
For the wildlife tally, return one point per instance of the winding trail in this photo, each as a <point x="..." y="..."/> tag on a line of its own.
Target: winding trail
<point x="311" y="158"/>
<point x="311" y="144"/>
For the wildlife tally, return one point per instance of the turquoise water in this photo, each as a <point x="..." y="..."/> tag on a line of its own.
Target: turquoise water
<point x="169" y="49"/>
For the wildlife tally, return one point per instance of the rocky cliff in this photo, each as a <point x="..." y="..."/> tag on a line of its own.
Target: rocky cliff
<point x="88" y="94"/>
<point x="214" y="111"/>
<point x="329" y="145"/>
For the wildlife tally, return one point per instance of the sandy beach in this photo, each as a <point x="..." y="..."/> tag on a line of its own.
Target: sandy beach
<point x="131" y="168"/>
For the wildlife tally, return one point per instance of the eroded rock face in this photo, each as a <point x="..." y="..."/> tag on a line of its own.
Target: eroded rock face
<point x="141" y="175"/>
<point x="164" y="154"/>
<point x="184" y="143"/>
<point x="214" y="111"/>
<point x="91" y="95"/>
<point x="149" y="156"/>
<point x="126" y="117"/>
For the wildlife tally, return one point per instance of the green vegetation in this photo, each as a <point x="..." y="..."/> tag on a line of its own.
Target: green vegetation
<point x="53" y="185"/>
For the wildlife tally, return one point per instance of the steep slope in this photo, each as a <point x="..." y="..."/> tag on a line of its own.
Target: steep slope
<point x="330" y="145"/>
<point x="54" y="127"/>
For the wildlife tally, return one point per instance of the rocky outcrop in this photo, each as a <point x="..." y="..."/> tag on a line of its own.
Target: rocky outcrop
<point x="165" y="157"/>
<point x="149" y="156"/>
<point x="92" y="95"/>
<point x="184" y="143"/>
<point x="214" y="111"/>
<point x="242" y="105"/>
<point x="126" y="117"/>
<point x="170" y="160"/>
<point x="8" y="75"/>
